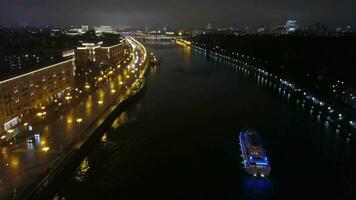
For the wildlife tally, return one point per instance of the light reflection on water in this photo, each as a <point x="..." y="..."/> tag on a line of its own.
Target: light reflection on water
<point x="257" y="188"/>
<point x="82" y="170"/>
<point x="158" y="42"/>
<point x="104" y="138"/>
<point x="120" y="120"/>
<point x="284" y="139"/>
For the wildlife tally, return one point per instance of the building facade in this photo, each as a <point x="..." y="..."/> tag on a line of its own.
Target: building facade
<point x="94" y="58"/>
<point x="25" y="93"/>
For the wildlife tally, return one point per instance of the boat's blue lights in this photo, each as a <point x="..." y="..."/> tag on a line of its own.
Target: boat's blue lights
<point x="262" y="163"/>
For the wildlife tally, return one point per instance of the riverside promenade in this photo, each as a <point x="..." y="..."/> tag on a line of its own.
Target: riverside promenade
<point x="26" y="165"/>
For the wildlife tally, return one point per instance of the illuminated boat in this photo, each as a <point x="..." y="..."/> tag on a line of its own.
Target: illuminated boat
<point x="255" y="159"/>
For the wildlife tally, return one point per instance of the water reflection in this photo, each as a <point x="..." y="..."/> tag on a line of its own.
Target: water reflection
<point x="82" y="170"/>
<point x="169" y="137"/>
<point x="187" y="53"/>
<point x="104" y="138"/>
<point x="153" y="72"/>
<point x="119" y="120"/>
<point x="157" y="42"/>
<point x="256" y="188"/>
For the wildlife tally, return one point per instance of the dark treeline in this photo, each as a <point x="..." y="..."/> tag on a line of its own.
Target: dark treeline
<point x="307" y="60"/>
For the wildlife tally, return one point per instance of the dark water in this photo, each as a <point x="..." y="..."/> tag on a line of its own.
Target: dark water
<point x="179" y="141"/>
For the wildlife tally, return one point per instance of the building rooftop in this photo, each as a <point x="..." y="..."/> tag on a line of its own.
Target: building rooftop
<point x="8" y="74"/>
<point x="23" y="51"/>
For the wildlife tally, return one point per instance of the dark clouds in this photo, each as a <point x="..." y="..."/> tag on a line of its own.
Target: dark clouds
<point x="183" y="13"/>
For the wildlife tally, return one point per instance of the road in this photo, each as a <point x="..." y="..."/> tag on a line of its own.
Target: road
<point x="57" y="135"/>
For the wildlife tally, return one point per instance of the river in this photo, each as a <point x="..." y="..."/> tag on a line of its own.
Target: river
<point x="179" y="141"/>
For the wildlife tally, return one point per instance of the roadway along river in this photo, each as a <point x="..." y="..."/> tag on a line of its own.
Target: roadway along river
<point x="179" y="141"/>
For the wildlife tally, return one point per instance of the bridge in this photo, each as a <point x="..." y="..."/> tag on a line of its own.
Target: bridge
<point x="148" y="36"/>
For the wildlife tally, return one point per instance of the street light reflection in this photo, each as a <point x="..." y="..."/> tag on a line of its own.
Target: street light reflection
<point x="14" y="162"/>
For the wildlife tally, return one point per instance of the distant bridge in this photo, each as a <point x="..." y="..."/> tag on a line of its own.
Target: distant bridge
<point x="158" y="37"/>
<point x="153" y="36"/>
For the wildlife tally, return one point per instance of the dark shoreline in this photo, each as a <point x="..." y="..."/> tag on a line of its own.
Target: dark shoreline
<point x="300" y="94"/>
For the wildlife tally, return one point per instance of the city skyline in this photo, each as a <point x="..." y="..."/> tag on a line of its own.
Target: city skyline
<point x="178" y="99"/>
<point x="158" y="13"/>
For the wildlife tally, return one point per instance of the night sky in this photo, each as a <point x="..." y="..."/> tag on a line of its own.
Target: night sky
<point x="176" y="13"/>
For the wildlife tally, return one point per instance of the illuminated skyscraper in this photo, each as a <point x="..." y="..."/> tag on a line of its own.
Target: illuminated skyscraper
<point x="291" y="26"/>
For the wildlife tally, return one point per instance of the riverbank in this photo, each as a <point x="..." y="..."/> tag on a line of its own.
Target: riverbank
<point x="333" y="114"/>
<point x="179" y="140"/>
<point x="47" y="188"/>
<point x="122" y="101"/>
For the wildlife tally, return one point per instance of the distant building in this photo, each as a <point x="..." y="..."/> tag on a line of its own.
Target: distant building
<point x="104" y="29"/>
<point x="238" y="33"/>
<point x="279" y="30"/>
<point x="75" y="32"/>
<point x="209" y="27"/>
<point x="85" y="28"/>
<point x="344" y="29"/>
<point x="198" y="32"/>
<point x="291" y="26"/>
<point x="261" y="29"/>
<point x="56" y="32"/>
<point x="169" y="33"/>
